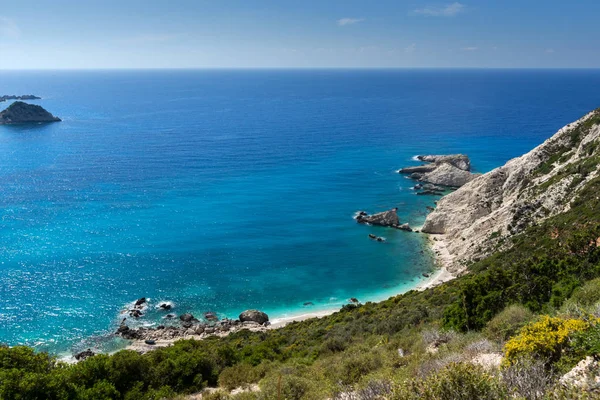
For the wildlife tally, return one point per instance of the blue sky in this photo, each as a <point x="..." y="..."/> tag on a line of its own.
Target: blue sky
<point x="40" y="34"/>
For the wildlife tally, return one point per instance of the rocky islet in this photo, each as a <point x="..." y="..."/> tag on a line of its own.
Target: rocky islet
<point x="24" y="113"/>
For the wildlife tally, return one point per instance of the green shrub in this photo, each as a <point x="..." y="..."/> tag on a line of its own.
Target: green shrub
<point x="289" y="387"/>
<point x="241" y="375"/>
<point x="588" y="294"/>
<point x="455" y="382"/>
<point x="508" y="322"/>
<point x="358" y="365"/>
<point x="102" y="390"/>
<point x="246" y="396"/>
<point x="544" y="339"/>
<point x="215" y="395"/>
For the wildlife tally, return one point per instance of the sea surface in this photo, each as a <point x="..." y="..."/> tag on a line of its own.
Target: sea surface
<point x="225" y="190"/>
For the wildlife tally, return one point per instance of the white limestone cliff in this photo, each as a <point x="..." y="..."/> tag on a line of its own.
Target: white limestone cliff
<point x="468" y="223"/>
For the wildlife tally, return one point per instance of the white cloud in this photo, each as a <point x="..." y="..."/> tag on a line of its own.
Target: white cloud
<point x="473" y="48"/>
<point x="411" y="48"/>
<point x="449" y="10"/>
<point x="349" y="21"/>
<point x="549" y="51"/>
<point x="9" y="29"/>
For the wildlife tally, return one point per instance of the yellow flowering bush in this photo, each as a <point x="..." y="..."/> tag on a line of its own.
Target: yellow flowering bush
<point x="545" y="338"/>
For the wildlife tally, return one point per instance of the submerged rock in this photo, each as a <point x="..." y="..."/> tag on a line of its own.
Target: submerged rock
<point x="377" y="238"/>
<point x="210" y="316"/>
<point x="254" y="316"/>
<point x="187" y="317"/>
<point x="22" y="113"/>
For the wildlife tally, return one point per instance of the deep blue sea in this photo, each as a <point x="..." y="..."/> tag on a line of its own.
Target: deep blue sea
<point x="233" y="189"/>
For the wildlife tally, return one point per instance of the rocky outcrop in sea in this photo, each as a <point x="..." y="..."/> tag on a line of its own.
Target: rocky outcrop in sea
<point x="452" y="170"/>
<point x="481" y="215"/>
<point x="385" y="218"/>
<point x="23" y="113"/>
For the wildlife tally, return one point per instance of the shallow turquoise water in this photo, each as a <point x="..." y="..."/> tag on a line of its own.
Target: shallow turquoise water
<point x="229" y="190"/>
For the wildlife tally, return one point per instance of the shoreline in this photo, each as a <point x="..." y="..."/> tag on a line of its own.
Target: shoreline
<point x="439" y="276"/>
<point x="441" y="259"/>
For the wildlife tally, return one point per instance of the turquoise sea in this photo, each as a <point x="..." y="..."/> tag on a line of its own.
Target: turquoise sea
<point x="225" y="190"/>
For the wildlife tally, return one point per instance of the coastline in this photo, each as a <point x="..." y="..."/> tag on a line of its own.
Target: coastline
<point x="439" y="276"/>
<point x="441" y="258"/>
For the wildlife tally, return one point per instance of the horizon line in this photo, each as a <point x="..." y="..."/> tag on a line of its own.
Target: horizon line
<point x="284" y="68"/>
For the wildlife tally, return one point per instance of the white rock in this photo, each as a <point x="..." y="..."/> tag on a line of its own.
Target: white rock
<point x="585" y="374"/>
<point x="506" y="200"/>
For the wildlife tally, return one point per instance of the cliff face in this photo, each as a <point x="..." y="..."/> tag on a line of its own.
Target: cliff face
<point x="21" y="113"/>
<point x="478" y="218"/>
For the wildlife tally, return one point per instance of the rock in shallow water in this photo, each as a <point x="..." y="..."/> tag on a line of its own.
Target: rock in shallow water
<point x="140" y="302"/>
<point x="254" y="316"/>
<point x="187" y="317"/>
<point x="84" y="354"/>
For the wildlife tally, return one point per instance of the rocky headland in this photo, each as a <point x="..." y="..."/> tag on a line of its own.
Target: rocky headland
<point x="478" y="218"/>
<point x="452" y="170"/>
<point x="23" y="113"/>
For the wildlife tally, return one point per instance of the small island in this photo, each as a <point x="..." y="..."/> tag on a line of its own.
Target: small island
<point x="23" y="113"/>
<point x="14" y="97"/>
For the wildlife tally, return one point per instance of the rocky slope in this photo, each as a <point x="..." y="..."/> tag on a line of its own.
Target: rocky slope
<point x="478" y="218"/>
<point x="22" y="113"/>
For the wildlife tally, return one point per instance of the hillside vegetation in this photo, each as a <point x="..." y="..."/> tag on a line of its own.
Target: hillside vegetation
<point x="522" y="318"/>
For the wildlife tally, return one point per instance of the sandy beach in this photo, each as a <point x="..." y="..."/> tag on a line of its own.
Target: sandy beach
<point x="442" y="259"/>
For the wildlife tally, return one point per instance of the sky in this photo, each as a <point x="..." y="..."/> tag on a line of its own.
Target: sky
<point x="90" y="34"/>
